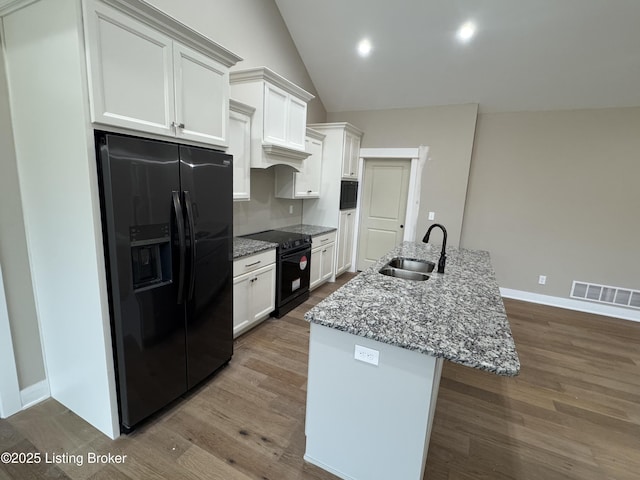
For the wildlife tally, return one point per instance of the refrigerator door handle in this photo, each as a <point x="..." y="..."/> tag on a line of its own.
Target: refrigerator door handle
<point x="182" y="246"/>
<point x="192" y="241"/>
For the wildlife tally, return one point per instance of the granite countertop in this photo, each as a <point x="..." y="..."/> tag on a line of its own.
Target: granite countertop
<point x="458" y="315"/>
<point x="243" y="247"/>
<point x="313" y="230"/>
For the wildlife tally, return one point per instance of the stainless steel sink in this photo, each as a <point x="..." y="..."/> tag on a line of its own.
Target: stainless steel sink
<point x="404" y="274"/>
<point x="412" y="264"/>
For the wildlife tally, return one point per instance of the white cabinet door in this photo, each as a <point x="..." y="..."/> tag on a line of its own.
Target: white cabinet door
<point x="350" y="224"/>
<point x="201" y="96"/>
<point x="346" y="156"/>
<point x="354" y="155"/>
<point x="263" y="295"/>
<point x="285" y="118"/>
<point x="328" y="254"/>
<point x="131" y="81"/>
<point x="254" y="297"/>
<point x="275" y="115"/>
<point x="242" y="311"/>
<point x="351" y="153"/>
<point x="342" y="228"/>
<point x="308" y="180"/>
<point x="345" y="240"/>
<point x="296" y="123"/>
<point x="317" y="260"/>
<point x="240" y="148"/>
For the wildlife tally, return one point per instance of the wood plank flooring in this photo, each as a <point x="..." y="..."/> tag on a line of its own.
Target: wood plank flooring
<point x="573" y="413"/>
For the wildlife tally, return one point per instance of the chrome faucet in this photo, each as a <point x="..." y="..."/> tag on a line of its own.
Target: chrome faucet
<point x="443" y="256"/>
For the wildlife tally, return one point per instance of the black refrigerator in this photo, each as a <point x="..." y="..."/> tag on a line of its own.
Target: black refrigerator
<point x="167" y="219"/>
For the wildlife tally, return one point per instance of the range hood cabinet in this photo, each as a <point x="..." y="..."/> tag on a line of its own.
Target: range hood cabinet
<point x="280" y="120"/>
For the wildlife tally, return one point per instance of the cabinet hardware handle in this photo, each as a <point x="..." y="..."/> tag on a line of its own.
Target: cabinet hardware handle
<point x="254" y="263"/>
<point x="324" y="251"/>
<point x="177" y="125"/>
<point x="308" y="191"/>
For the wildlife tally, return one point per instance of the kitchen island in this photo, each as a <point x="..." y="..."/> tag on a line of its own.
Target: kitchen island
<point x="372" y="418"/>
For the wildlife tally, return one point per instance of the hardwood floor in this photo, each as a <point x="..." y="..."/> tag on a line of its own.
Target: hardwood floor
<point x="573" y="413"/>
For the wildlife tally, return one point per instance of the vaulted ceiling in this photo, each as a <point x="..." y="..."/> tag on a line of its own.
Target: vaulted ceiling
<point x="525" y="55"/>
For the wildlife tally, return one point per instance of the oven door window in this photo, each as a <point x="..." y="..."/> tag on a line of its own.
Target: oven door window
<point x="295" y="274"/>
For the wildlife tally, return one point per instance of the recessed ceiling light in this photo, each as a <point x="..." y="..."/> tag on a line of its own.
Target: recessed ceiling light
<point x="466" y="31"/>
<point x="364" y="48"/>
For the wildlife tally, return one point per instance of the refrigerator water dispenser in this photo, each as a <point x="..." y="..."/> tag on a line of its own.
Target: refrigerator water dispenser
<point x="150" y="256"/>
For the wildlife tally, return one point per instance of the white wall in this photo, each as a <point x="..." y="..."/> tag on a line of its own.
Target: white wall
<point x="14" y="256"/>
<point x="556" y="193"/>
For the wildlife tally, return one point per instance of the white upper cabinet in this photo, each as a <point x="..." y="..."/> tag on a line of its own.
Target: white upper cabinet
<point x="351" y="155"/>
<point x="296" y="123"/>
<point x="240" y="116"/>
<point x="202" y="92"/>
<point x="131" y="76"/>
<point x="151" y="74"/>
<point x="275" y="115"/>
<point x="279" y="124"/>
<point x="305" y="183"/>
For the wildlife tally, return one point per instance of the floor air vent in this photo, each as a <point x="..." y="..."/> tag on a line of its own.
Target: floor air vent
<point x="621" y="297"/>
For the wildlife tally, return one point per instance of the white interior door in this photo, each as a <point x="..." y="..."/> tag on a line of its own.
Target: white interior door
<point x="383" y="206"/>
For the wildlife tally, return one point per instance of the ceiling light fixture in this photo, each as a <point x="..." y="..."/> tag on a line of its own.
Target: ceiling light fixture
<point x="466" y="31"/>
<point x="364" y="48"/>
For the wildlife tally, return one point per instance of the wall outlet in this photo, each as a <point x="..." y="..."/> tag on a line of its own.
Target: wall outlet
<point x="366" y="355"/>
<point x="542" y="279"/>
<point x="432" y="215"/>
<point x="290" y="209"/>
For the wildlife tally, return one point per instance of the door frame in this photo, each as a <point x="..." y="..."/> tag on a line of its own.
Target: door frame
<point x="418" y="157"/>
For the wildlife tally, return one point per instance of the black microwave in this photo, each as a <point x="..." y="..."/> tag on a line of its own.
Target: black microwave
<point x="348" y="194"/>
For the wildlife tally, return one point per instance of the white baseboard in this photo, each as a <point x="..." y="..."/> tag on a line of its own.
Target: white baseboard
<point x="572" y="304"/>
<point x="35" y="393"/>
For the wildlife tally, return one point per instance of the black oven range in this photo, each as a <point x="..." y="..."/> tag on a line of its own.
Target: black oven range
<point x="293" y="267"/>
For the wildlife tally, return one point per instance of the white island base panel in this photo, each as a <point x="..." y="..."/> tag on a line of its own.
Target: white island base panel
<point x="368" y="422"/>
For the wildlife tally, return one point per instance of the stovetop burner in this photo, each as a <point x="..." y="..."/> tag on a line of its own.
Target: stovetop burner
<point x="285" y="240"/>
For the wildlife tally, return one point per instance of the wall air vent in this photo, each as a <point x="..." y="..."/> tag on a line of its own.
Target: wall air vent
<point x="621" y="297"/>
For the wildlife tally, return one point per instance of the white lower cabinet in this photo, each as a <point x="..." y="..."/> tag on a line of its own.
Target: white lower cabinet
<point x="345" y="240"/>
<point x="254" y="290"/>
<point x="323" y="249"/>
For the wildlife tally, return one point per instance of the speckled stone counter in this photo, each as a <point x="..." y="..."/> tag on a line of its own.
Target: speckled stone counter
<point x="243" y="247"/>
<point x="458" y="315"/>
<point x="313" y="230"/>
